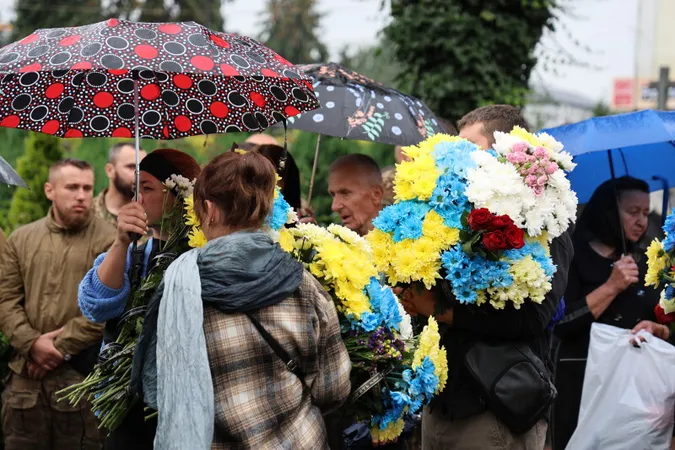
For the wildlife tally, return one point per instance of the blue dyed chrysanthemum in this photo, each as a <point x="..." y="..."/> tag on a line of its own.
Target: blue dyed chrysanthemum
<point x="403" y="219"/>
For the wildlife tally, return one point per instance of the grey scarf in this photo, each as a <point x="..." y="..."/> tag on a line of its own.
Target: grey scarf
<point x="240" y="272"/>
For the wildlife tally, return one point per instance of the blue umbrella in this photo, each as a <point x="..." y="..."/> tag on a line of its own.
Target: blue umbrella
<point x="639" y="144"/>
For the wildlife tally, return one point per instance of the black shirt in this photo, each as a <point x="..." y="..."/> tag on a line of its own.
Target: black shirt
<point x="472" y="323"/>
<point x="588" y="272"/>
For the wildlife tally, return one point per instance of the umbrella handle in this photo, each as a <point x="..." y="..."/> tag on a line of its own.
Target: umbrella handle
<point x="314" y="167"/>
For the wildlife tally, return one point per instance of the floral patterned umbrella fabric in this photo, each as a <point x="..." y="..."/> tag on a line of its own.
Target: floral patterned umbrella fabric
<point x="354" y="106"/>
<point x="173" y="79"/>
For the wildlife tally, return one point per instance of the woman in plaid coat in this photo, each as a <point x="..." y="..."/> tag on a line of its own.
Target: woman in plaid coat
<point x="248" y="345"/>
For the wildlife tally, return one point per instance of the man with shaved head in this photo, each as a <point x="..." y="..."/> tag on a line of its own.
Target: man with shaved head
<point x="261" y="139"/>
<point x="355" y="183"/>
<point x="55" y="346"/>
<point x="121" y="172"/>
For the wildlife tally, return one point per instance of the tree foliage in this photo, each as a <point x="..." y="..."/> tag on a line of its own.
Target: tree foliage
<point x="28" y="205"/>
<point x="377" y="62"/>
<point x="461" y="54"/>
<point x="291" y="28"/>
<point x="34" y="14"/>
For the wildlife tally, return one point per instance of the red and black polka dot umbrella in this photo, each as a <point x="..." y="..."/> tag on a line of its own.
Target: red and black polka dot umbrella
<point x="161" y="80"/>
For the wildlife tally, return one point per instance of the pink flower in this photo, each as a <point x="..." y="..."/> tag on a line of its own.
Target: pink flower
<point x="538" y="190"/>
<point x="542" y="180"/>
<point x="520" y="146"/>
<point x="551" y="168"/>
<point x="531" y="180"/>
<point x="532" y="170"/>
<point x="540" y="152"/>
<point x="513" y="158"/>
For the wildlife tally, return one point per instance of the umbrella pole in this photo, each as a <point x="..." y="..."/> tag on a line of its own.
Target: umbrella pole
<point x="314" y="167"/>
<point x="624" y="250"/>
<point x="138" y="156"/>
<point x="138" y="140"/>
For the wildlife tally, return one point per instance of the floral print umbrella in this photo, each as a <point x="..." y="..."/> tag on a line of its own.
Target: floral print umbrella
<point x="354" y="106"/>
<point x="156" y="80"/>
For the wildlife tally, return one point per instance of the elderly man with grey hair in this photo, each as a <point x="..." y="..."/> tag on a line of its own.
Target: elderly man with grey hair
<point x="120" y="171"/>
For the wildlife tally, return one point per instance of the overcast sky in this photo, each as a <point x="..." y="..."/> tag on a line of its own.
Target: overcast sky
<point x="607" y="26"/>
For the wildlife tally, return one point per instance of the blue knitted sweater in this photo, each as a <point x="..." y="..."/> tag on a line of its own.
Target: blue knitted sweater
<point x="98" y="302"/>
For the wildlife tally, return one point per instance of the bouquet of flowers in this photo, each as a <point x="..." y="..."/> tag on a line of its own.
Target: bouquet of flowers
<point x="108" y="385"/>
<point x="480" y="219"/>
<point x="661" y="272"/>
<point x="393" y="373"/>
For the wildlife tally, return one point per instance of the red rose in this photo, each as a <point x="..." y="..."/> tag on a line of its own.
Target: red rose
<point x="495" y="241"/>
<point x="515" y="236"/>
<point x="662" y="317"/>
<point x="500" y="222"/>
<point x="480" y="219"/>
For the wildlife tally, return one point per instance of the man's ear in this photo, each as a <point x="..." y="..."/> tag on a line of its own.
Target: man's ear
<point x="109" y="169"/>
<point x="49" y="191"/>
<point x="378" y="193"/>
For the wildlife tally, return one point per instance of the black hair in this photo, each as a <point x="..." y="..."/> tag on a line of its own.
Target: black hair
<point x="600" y="218"/>
<point x="289" y="173"/>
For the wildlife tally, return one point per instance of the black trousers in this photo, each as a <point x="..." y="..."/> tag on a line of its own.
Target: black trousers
<point x="135" y="433"/>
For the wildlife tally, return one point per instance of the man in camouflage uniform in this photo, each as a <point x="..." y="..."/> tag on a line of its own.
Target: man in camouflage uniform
<point x="120" y="170"/>
<point x="54" y="345"/>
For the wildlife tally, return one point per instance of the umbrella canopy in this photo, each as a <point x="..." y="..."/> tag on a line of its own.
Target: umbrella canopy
<point x="639" y="144"/>
<point x="174" y="79"/>
<point x="354" y="106"/>
<point x="8" y="175"/>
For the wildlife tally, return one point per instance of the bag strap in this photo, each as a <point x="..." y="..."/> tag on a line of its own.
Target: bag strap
<point x="283" y="355"/>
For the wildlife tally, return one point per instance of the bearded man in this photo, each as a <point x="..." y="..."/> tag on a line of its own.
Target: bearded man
<point x="54" y="345"/>
<point x="120" y="169"/>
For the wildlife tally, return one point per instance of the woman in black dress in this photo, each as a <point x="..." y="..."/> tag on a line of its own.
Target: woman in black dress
<point x="604" y="286"/>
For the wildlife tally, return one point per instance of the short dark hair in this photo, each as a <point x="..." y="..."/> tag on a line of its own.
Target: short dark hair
<point x="599" y="219"/>
<point x="241" y="185"/>
<point x="290" y="173"/>
<point x="363" y="162"/>
<point x="494" y="118"/>
<point x="116" y="149"/>
<point x="80" y="164"/>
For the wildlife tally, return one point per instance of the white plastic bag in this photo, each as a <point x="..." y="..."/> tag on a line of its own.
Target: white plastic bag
<point x="628" y="398"/>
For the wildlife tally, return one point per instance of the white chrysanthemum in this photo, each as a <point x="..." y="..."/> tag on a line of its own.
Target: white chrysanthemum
<point x="667" y="305"/>
<point x="405" y="327"/>
<point x="498" y="187"/>
<point x="350" y="237"/>
<point x="169" y="183"/>
<point x="292" y="216"/>
<point x="504" y="142"/>
<point x="501" y="189"/>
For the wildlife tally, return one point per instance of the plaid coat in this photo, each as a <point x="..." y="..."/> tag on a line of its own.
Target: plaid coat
<point x="260" y="403"/>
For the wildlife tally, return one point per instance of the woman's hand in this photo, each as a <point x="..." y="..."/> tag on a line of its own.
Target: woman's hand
<point x="624" y="273"/>
<point x="131" y="219"/>
<point x="658" y="330"/>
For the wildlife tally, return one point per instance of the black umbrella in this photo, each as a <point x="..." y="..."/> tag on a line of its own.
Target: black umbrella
<point x="9" y="176"/>
<point x="356" y="107"/>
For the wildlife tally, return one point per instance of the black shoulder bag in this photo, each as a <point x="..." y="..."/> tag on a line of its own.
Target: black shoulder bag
<point x="513" y="382"/>
<point x="283" y="355"/>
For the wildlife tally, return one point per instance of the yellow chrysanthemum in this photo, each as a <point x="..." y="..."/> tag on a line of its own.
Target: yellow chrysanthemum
<point x="389" y="434"/>
<point x="381" y="244"/>
<point x="416" y="179"/>
<point x="190" y="216"/>
<point x="656" y="263"/>
<point x="286" y="240"/>
<point x="526" y="136"/>
<point x="196" y="238"/>
<point x="341" y="266"/>
<point x="434" y="228"/>
<point x="529" y="282"/>
<point x="430" y="345"/>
